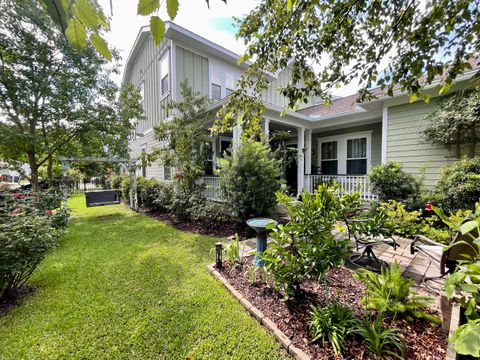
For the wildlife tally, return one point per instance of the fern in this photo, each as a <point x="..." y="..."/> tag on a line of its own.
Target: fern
<point x="391" y="293"/>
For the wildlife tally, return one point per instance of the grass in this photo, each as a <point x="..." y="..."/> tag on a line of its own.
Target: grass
<point x="122" y="285"/>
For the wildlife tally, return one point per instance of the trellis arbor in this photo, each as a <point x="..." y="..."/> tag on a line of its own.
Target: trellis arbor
<point x="129" y="163"/>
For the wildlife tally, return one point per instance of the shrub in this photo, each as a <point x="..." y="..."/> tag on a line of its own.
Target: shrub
<point x="163" y="196"/>
<point x="116" y="181"/>
<point x="305" y="248"/>
<point x="26" y="235"/>
<point x="391" y="182"/>
<point x="391" y="293"/>
<point x="385" y="343"/>
<point x="234" y="251"/>
<point x="332" y="323"/>
<point x="125" y="188"/>
<point x="210" y="210"/>
<point x="60" y="218"/>
<point x="459" y="184"/>
<point x="399" y="219"/>
<point x="249" y="177"/>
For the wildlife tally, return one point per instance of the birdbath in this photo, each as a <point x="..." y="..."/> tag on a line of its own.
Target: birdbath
<point x="260" y="226"/>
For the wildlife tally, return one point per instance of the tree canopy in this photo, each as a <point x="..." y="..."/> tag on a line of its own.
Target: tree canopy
<point x="54" y="99"/>
<point x="84" y="21"/>
<point x="456" y="123"/>
<point x="335" y="42"/>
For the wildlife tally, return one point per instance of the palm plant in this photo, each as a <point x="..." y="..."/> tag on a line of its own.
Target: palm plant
<point x="233" y="251"/>
<point x="391" y="293"/>
<point x="332" y="323"/>
<point x="385" y="343"/>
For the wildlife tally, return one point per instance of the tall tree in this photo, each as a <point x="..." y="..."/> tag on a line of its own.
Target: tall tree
<point x="52" y="97"/>
<point x="335" y="42"/>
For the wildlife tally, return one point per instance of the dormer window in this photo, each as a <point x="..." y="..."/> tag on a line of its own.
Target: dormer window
<point x="164" y="74"/>
<point x="229" y="84"/>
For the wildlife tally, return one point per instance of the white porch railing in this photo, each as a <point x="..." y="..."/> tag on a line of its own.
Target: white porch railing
<point x="212" y="189"/>
<point x="346" y="183"/>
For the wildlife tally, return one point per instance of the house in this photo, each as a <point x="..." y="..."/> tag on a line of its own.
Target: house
<point x="339" y="143"/>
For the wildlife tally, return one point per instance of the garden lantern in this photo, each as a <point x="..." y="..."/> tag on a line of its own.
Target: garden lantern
<point x="218" y="253"/>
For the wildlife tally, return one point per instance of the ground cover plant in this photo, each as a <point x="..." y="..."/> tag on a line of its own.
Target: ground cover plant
<point x="123" y="285"/>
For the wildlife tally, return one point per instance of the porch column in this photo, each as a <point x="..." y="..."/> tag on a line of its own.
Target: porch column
<point x="237" y="134"/>
<point x="308" y="157"/>
<point x="266" y="128"/>
<point x="300" y="159"/>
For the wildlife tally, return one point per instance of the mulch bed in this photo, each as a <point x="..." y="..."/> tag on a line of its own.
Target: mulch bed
<point x="205" y="226"/>
<point x="424" y="339"/>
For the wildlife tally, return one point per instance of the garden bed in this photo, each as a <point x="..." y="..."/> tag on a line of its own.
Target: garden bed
<point x="424" y="340"/>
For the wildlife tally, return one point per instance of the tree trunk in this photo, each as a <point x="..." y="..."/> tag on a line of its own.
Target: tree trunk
<point x="33" y="168"/>
<point x="50" y="171"/>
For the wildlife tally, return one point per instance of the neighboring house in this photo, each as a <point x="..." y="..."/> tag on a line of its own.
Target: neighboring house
<point x="340" y="142"/>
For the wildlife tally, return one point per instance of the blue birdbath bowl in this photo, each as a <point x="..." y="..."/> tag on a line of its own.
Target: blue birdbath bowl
<point x="260" y="226"/>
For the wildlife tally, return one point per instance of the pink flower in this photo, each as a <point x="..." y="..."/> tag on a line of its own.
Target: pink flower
<point x="49" y="212"/>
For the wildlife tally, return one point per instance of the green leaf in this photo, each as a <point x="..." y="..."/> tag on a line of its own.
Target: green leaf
<point x="172" y="8"/>
<point x="157" y="28"/>
<point x="146" y="7"/>
<point x="469" y="226"/>
<point x="289" y="5"/>
<point x="467" y="339"/>
<point x="76" y="34"/>
<point x="86" y="14"/>
<point x="101" y="46"/>
<point x="444" y="89"/>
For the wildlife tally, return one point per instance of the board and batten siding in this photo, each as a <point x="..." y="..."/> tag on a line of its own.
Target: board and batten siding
<point x="273" y="96"/>
<point x="406" y="145"/>
<point x="193" y="68"/>
<point x="376" y="129"/>
<point x="146" y="68"/>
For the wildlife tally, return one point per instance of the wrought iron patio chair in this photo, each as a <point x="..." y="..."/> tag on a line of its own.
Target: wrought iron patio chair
<point x="447" y="257"/>
<point x="366" y="238"/>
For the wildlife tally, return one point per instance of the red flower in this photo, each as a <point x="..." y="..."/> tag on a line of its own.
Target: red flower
<point x="49" y="212"/>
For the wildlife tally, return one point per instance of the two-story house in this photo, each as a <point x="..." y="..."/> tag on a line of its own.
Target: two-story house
<point x="339" y="142"/>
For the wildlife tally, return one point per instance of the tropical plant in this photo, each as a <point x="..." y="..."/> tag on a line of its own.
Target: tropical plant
<point x="234" y="251"/>
<point x="305" y="248"/>
<point x="248" y="178"/>
<point x="251" y="273"/>
<point x="467" y="278"/>
<point x="389" y="292"/>
<point x="385" y="343"/>
<point x="459" y="185"/>
<point x="332" y="323"/>
<point x="390" y="182"/>
<point x="399" y="219"/>
<point x="186" y="138"/>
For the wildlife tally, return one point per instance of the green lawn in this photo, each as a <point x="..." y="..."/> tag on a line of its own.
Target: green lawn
<point x="122" y="285"/>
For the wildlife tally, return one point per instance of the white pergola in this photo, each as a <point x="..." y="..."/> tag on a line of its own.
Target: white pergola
<point x="129" y="163"/>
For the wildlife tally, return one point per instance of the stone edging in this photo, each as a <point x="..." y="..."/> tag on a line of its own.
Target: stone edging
<point x="454" y="323"/>
<point x="261" y="318"/>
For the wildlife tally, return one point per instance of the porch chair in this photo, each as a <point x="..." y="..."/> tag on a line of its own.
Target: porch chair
<point x="368" y="233"/>
<point x="447" y="257"/>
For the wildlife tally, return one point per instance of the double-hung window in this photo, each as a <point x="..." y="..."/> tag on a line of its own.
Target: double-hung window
<point x="357" y="156"/>
<point x="164" y="70"/>
<point x="346" y="154"/>
<point x="329" y="162"/>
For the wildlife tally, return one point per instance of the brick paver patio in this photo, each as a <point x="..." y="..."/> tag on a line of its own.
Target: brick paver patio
<point x="415" y="266"/>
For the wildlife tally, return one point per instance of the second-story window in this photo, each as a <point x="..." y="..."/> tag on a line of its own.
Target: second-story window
<point x="216" y="92"/>
<point x="164" y="74"/>
<point x="229" y="84"/>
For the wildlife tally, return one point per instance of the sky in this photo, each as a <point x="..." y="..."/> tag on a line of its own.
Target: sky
<point x="214" y="23"/>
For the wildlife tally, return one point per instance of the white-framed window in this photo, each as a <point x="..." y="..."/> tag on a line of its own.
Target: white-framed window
<point x="167" y="173"/>
<point x="347" y="154"/>
<point x="229" y="84"/>
<point x="329" y="160"/>
<point x="164" y="74"/>
<point x="216" y="92"/>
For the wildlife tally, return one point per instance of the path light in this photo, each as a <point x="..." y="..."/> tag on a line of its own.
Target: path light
<point x="218" y="253"/>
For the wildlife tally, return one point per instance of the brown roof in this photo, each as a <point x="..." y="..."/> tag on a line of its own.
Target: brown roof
<point x="337" y="106"/>
<point x="347" y="103"/>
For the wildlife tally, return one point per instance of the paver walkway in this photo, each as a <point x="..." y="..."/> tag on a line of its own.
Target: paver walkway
<point x="416" y="266"/>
